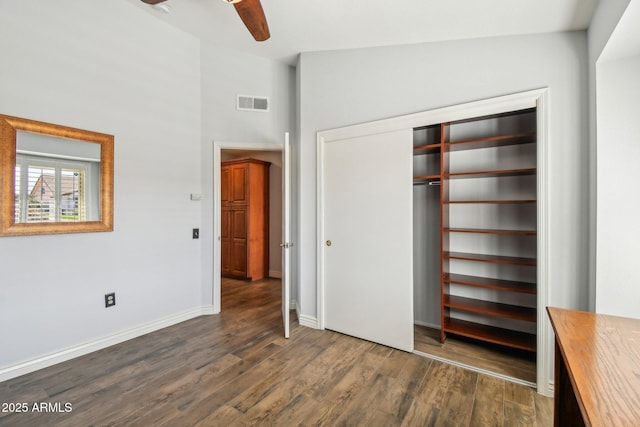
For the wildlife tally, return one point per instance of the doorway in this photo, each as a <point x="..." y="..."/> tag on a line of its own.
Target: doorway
<point x="268" y="266"/>
<point x="278" y="156"/>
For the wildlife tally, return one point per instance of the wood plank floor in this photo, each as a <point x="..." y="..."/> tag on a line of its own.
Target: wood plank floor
<point x="513" y="363"/>
<point x="236" y="369"/>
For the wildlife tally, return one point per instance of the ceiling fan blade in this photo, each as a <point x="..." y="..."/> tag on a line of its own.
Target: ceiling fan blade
<point x="252" y="15"/>
<point x="153" y="1"/>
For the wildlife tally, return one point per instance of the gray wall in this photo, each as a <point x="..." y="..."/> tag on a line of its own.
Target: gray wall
<point x="354" y="86"/>
<point x="95" y="66"/>
<point x="226" y="73"/>
<point x="114" y="68"/>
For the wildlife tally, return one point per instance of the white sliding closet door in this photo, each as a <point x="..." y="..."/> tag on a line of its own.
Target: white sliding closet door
<point x="367" y="240"/>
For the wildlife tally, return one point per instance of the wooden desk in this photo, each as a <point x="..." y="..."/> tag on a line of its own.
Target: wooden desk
<point x="597" y="369"/>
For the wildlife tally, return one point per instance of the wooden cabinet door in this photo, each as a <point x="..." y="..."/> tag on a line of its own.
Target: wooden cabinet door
<point x="225" y="182"/>
<point x="225" y="240"/>
<point x="238" y="241"/>
<point x="238" y="262"/>
<point x="244" y="218"/>
<point x="238" y="188"/>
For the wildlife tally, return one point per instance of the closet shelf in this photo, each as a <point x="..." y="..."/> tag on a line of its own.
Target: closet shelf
<point x="491" y="173"/>
<point x="494" y="259"/>
<point x="492" y="141"/>
<point x="491" y="231"/>
<point x="425" y="178"/>
<point x="490" y="308"/>
<point x="506" y="337"/>
<point x="489" y="283"/>
<point x="485" y="170"/>
<point x="427" y="149"/>
<point x="505" y="202"/>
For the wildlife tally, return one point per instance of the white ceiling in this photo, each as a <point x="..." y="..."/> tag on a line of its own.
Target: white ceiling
<point x="314" y="25"/>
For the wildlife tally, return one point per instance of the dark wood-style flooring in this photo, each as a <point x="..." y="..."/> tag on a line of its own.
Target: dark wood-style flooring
<point x="236" y="369"/>
<point x="518" y="364"/>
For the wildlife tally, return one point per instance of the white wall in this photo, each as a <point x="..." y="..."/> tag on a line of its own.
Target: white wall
<point x="346" y="87"/>
<point x="618" y="237"/>
<point x="605" y="18"/>
<point x="615" y="63"/>
<point x="112" y="68"/>
<point x="225" y="74"/>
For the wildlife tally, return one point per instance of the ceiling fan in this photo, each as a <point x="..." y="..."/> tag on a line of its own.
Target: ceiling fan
<point x="251" y="13"/>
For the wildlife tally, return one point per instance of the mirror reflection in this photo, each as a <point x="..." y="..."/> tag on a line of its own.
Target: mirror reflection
<point x="54" y="179"/>
<point x="57" y="180"/>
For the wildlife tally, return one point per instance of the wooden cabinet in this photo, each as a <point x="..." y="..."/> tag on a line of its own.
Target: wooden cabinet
<point x="487" y="185"/>
<point x="245" y="218"/>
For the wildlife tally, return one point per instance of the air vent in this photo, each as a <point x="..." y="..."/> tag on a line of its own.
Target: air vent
<point x="252" y="103"/>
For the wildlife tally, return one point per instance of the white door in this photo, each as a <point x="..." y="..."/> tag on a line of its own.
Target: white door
<point x="367" y="237"/>
<point x="286" y="233"/>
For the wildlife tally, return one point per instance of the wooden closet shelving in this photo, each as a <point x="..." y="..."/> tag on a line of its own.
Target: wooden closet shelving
<point x="496" y="259"/>
<point x="490" y="308"/>
<point x="490" y="283"/>
<point x="427" y="149"/>
<point x="491" y="231"/>
<point x="493" y="202"/>
<point x="493" y="141"/>
<point x="491" y="173"/>
<point x="492" y="334"/>
<point x="484" y="310"/>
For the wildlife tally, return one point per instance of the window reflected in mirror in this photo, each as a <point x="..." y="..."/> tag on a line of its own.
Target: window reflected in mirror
<point x="54" y="179"/>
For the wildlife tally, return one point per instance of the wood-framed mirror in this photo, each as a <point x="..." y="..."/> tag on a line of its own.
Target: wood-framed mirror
<point x="54" y="179"/>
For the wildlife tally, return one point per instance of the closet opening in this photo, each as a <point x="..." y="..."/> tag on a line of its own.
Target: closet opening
<point x="475" y="243"/>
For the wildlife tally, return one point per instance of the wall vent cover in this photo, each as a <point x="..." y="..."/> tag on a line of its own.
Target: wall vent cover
<point x="252" y="103"/>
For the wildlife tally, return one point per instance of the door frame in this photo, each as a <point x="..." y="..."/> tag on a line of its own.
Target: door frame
<point x="218" y="146"/>
<point x="538" y="98"/>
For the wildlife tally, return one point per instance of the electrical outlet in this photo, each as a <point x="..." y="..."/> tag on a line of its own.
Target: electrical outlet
<point x="196" y="233"/>
<point x="110" y="299"/>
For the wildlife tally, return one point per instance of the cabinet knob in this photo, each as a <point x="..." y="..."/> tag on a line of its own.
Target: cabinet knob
<point x="328" y="242"/>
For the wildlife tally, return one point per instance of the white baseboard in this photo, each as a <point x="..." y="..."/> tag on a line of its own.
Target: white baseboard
<point x="308" y="321"/>
<point x="275" y="274"/>
<point x="16" y="370"/>
<point x="206" y="310"/>
<point x="550" y="391"/>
